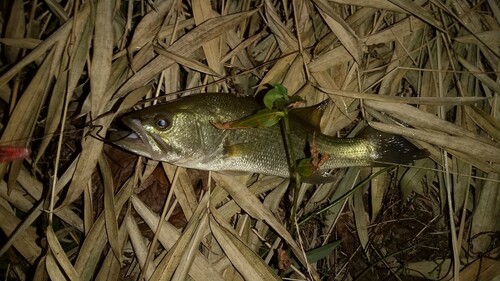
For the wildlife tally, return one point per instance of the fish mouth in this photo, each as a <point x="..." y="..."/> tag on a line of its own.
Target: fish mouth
<point x="134" y="140"/>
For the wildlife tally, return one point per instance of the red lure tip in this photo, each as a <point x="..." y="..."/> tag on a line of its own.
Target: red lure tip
<point x="11" y="153"/>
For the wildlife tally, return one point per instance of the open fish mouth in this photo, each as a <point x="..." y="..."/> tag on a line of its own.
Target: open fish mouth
<point x="134" y="140"/>
<point x="130" y="141"/>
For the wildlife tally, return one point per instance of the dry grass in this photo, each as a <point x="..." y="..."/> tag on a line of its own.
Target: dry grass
<point x="74" y="209"/>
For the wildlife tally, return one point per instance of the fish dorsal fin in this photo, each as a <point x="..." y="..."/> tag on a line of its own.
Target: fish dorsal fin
<point x="311" y="115"/>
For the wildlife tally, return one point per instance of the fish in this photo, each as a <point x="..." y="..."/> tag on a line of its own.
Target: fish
<point x="183" y="132"/>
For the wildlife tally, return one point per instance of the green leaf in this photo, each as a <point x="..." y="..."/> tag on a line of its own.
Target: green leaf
<point x="281" y="104"/>
<point x="321" y="252"/>
<point x="305" y="167"/>
<point x="278" y="92"/>
<point x="261" y="119"/>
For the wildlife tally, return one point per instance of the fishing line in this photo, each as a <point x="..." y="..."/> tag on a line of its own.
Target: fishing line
<point x="87" y="125"/>
<point x="31" y="139"/>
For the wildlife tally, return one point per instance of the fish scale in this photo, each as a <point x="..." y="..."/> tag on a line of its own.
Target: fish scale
<point x="182" y="132"/>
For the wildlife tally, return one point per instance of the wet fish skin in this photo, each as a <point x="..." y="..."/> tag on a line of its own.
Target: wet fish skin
<point x="182" y="133"/>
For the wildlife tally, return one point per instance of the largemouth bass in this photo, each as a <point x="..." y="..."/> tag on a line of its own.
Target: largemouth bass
<point x="182" y="133"/>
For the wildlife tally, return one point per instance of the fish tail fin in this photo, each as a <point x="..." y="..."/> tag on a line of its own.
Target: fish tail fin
<point x="392" y="149"/>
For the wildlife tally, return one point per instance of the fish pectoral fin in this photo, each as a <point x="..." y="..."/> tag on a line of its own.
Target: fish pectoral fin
<point x="238" y="149"/>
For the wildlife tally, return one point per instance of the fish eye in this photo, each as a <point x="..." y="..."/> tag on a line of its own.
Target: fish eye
<point x="161" y="123"/>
